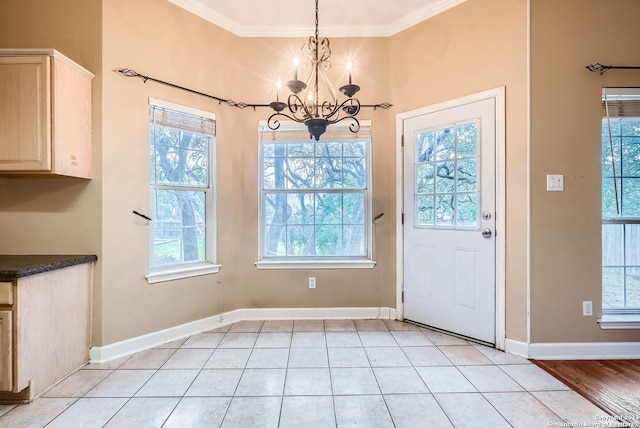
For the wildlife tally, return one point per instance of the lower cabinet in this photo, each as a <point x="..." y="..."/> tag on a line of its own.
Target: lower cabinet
<point x="45" y="330"/>
<point x="6" y="348"/>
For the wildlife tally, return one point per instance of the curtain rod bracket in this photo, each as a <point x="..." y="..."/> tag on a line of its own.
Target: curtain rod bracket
<point x="597" y="67"/>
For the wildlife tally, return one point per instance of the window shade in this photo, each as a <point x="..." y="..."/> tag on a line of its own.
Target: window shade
<point x="621" y="108"/>
<point x="182" y="121"/>
<point x="622" y="102"/>
<point x="294" y="132"/>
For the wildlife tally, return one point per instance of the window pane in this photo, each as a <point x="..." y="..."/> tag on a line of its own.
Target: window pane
<point x="612" y="244"/>
<point x="609" y="208"/>
<point x="632" y="244"/>
<point x="630" y="128"/>
<point x="632" y="278"/>
<point x="300" y="150"/>
<point x="467" y="142"/>
<point x="631" y="156"/>
<point x="179" y="232"/>
<point x="271" y="150"/>
<point x="444" y="210"/>
<point x="353" y="208"/>
<point x="467" y="210"/>
<point x="301" y="208"/>
<point x="353" y="241"/>
<point x="424" y="210"/>
<point x="300" y="241"/>
<point x="424" y="178"/>
<point x="631" y="197"/>
<point x="424" y="147"/>
<point x="275" y="240"/>
<point x="354" y="173"/>
<point x="445" y="175"/>
<point x="328" y="208"/>
<point x="467" y="175"/>
<point x="329" y="240"/>
<point x="276" y="209"/>
<point x="445" y="144"/>
<point x="328" y="173"/>
<point x="299" y="172"/>
<point x="612" y="288"/>
<point x="609" y="156"/>
<point x="355" y="149"/>
<point x="268" y="171"/>
<point x="328" y="150"/>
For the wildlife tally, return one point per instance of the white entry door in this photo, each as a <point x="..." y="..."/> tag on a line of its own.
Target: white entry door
<point x="449" y="220"/>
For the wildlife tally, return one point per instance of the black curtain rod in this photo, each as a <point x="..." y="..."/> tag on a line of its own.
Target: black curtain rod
<point x="126" y="72"/>
<point x="597" y="67"/>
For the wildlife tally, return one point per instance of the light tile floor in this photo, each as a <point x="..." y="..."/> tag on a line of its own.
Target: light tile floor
<point x="362" y="373"/>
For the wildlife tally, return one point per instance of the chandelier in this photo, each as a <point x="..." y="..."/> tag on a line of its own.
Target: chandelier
<point x="303" y="103"/>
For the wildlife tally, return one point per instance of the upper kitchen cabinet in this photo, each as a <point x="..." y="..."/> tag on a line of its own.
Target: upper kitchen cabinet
<point x="45" y="114"/>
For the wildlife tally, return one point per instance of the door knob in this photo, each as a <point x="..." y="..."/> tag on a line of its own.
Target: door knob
<point x="486" y="233"/>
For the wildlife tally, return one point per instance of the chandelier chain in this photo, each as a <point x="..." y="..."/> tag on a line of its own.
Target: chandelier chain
<point x="317" y="21"/>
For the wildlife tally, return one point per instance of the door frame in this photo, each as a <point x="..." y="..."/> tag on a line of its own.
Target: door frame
<point x="498" y="95"/>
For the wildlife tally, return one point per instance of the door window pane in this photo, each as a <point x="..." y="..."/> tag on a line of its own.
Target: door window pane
<point x="447" y="176"/>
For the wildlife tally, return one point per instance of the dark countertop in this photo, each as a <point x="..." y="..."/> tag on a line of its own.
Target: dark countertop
<point x="12" y="267"/>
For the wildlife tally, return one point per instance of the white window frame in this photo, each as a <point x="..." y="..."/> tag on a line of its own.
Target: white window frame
<point x="209" y="265"/>
<point x="316" y="262"/>
<point x="619" y="318"/>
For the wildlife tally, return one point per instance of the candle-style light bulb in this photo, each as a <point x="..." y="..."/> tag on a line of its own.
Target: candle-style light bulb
<point x="278" y="86"/>
<point x="349" y="67"/>
<point x="296" y="63"/>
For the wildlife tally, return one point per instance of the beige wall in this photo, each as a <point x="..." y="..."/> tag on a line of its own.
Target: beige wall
<point x="161" y="40"/>
<point x="58" y="215"/>
<point x="566" y="36"/>
<point x="476" y="46"/>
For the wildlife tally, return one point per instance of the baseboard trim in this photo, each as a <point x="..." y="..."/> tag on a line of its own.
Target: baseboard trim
<point x="575" y="350"/>
<point x="516" y="347"/>
<point x="101" y="354"/>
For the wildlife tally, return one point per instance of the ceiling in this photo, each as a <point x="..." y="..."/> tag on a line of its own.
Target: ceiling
<point x="295" y="18"/>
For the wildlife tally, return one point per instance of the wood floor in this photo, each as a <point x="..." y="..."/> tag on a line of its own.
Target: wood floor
<point x="613" y="385"/>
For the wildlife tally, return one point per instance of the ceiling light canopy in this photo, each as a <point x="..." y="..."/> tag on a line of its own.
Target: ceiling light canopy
<point x="304" y="104"/>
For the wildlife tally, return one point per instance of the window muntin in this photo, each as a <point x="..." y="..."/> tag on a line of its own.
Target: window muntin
<point x="621" y="212"/>
<point x="315" y="196"/>
<point x="182" y="146"/>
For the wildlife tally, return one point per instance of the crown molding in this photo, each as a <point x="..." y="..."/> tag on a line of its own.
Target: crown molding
<point x="295" y="31"/>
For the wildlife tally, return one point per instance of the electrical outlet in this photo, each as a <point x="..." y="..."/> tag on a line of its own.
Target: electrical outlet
<point x="587" y="308"/>
<point x="312" y="282"/>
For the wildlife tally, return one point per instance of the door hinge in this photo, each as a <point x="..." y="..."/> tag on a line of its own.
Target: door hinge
<point x="402" y="140"/>
<point x="402" y="218"/>
<point x="402" y="297"/>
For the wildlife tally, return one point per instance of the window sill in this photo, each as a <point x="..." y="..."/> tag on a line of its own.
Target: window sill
<point x="315" y="264"/>
<point x="619" y="322"/>
<point x="182" y="272"/>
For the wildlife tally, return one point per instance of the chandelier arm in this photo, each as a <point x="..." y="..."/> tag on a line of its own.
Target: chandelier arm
<point x="330" y="109"/>
<point x="353" y="127"/>
<point x="273" y="123"/>
<point x="299" y="110"/>
<point x="350" y="106"/>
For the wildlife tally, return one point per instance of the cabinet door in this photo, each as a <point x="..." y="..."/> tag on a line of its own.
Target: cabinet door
<point x="6" y="351"/>
<point x="25" y="113"/>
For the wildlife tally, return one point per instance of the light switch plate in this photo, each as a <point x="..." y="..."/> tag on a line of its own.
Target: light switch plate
<point x="555" y="183"/>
